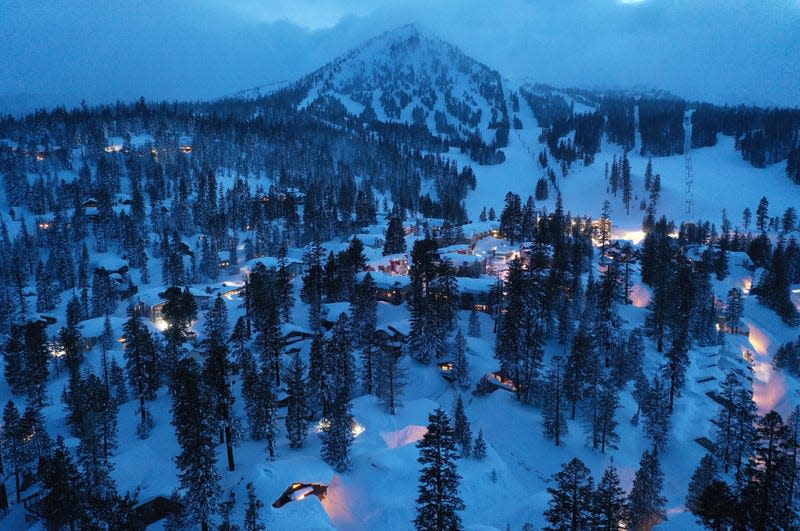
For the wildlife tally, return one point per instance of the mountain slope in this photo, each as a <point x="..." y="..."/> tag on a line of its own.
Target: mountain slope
<point x="407" y="76"/>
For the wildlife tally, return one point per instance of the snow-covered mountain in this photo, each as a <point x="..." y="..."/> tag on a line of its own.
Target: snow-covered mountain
<point x="406" y="75"/>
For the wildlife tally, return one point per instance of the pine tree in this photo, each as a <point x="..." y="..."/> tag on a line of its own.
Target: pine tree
<point x="768" y="477"/>
<point x="340" y="365"/>
<point x="479" y="448"/>
<point x="63" y="503"/>
<point x="216" y="376"/>
<point x="460" y="363"/>
<point x="390" y="379"/>
<point x="571" y="499"/>
<point x="252" y="514"/>
<point x="197" y="459"/>
<point x="604" y="420"/>
<point x="656" y="414"/>
<point x="718" y="507"/>
<point x="117" y="381"/>
<point x="297" y="409"/>
<point x="438" y="502"/>
<point x="316" y="372"/>
<point x="734" y="310"/>
<point x="608" y="503"/>
<point x="424" y="331"/>
<point x="461" y="429"/>
<point x="474" y="324"/>
<point x="142" y="366"/>
<point x="554" y="409"/>
<point x="259" y="404"/>
<point x="627" y="187"/>
<point x="702" y="477"/>
<point x="338" y="438"/>
<point x="395" y="236"/>
<point x="674" y="370"/>
<point x="70" y="337"/>
<point x="225" y="512"/>
<point x="762" y="214"/>
<point x="645" y="502"/>
<point x="13" y="443"/>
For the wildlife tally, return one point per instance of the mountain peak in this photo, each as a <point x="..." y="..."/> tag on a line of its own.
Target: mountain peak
<point x="409" y="76"/>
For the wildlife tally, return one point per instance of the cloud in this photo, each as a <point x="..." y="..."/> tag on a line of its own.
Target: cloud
<point x="729" y="51"/>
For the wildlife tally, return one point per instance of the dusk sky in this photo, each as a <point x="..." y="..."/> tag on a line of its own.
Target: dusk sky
<point x="68" y="50"/>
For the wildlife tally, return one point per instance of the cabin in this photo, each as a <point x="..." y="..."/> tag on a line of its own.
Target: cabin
<point x="476" y="293"/>
<point x="152" y="511"/>
<point x="393" y="264"/>
<point x="390" y="339"/>
<point x="185" y="144"/>
<point x="448" y="370"/>
<point x="501" y="380"/>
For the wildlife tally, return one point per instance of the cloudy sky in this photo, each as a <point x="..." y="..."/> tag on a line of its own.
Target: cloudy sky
<point x="67" y="50"/>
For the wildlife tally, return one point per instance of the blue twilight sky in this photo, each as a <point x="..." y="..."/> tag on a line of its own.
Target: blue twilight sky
<point x="719" y="50"/>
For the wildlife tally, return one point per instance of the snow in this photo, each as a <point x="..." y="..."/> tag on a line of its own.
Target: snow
<point x="509" y="485"/>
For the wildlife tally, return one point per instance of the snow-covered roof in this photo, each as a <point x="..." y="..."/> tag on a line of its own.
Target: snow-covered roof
<point x="459" y="259"/>
<point x="479" y="227"/>
<point x="490" y="244"/>
<point x="481" y="284"/>
<point x="385" y="280"/>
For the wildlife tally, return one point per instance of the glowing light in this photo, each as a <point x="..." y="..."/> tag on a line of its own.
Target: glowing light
<point x="640" y="296"/>
<point x="759" y="340"/>
<point x="161" y="324"/>
<point x="636" y="236"/>
<point x="747" y="283"/>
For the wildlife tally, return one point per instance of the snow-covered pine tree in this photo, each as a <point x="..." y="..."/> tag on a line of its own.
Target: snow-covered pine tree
<point x="142" y="367"/>
<point x="554" y="404"/>
<point x="474" y="329"/>
<point x="608" y="502"/>
<point x="677" y="363"/>
<point x="364" y="311"/>
<point x="197" y="460"/>
<point x="340" y="365"/>
<point x="297" y="409"/>
<point x="765" y="496"/>
<point x="252" y="513"/>
<point x="657" y="414"/>
<point x="70" y="337"/>
<point x="570" y="505"/>
<point x="479" y="448"/>
<point x="743" y="428"/>
<point x="424" y="329"/>
<point x="117" y="382"/>
<point x="97" y="432"/>
<point x="338" y="438"/>
<point x="63" y="487"/>
<point x="702" y="477"/>
<point x="390" y="379"/>
<point x="461" y="428"/>
<point x="216" y="376"/>
<point x="438" y="502"/>
<point x="605" y="421"/>
<point x="734" y="310"/>
<point x="13" y="444"/>
<point x="646" y="505"/>
<point x="216" y="326"/>
<point x="395" y="236"/>
<point x="316" y="373"/>
<point x="460" y="363"/>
